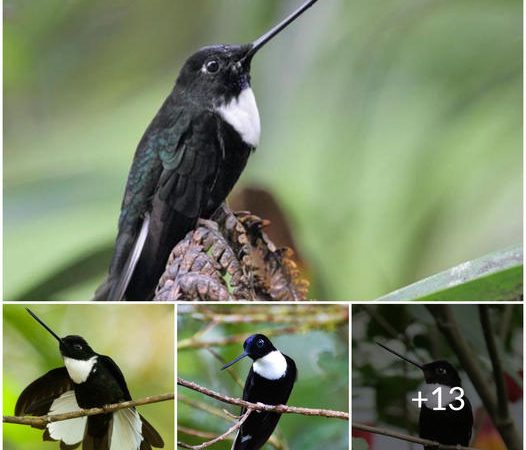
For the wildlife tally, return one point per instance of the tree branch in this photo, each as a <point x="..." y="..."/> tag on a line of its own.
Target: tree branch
<point x="448" y="326"/>
<point x="407" y="438"/>
<point x="503" y="420"/>
<point x="233" y="428"/>
<point x="281" y="409"/>
<point x="42" y="421"/>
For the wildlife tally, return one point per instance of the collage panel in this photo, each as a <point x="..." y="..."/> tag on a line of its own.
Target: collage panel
<point x="446" y="373"/>
<point x="268" y="354"/>
<point x="59" y="358"/>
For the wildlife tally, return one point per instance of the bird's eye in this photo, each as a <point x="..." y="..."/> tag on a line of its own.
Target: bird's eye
<point x="260" y="343"/>
<point x="77" y="347"/>
<point x="441" y="371"/>
<point x="212" y="66"/>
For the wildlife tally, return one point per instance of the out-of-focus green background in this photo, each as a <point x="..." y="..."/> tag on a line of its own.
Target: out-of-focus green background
<point x="391" y="131"/>
<point x="315" y="336"/>
<point x="138" y="338"/>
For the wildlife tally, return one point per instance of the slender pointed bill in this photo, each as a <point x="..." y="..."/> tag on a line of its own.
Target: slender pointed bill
<point x="261" y="41"/>
<point x="401" y="356"/>
<point x="44" y="325"/>
<point x="235" y="361"/>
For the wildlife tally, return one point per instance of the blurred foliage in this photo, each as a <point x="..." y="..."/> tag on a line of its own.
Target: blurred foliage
<point x="391" y="131"/>
<point x="138" y="338"/>
<point x="318" y="346"/>
<point x="384" y="384"/>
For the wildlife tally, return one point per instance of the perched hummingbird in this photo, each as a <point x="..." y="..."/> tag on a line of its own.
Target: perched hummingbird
<point x="88" y="380"/>
<point x="186" y="163"/>
<point x="269" y="381"/>
<point x="447" y="426"/>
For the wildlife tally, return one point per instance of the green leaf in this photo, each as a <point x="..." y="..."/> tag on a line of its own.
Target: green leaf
<point x="497" y="276"/>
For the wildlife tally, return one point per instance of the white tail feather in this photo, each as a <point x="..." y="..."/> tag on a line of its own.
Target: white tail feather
<point x="126" y="430"/>
<point x="69" y="431"/>
<point x="129" y="268"/>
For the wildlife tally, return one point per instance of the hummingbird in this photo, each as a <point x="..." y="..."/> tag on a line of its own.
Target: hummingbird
<point x="269" y="381"/>
<point x="446" y="426"/>
<point x="187" y="162"/>
<point x="87" y="380"/>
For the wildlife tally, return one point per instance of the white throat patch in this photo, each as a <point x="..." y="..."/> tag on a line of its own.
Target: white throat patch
<point x="272" y="366"/>
<point x="79" y="369"/>
<point x="432" y="400"/>
<point x="242" y="113"/>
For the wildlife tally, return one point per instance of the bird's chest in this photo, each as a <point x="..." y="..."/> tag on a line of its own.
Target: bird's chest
<point x="100" y="388"/>
<point x="271" y="392"/>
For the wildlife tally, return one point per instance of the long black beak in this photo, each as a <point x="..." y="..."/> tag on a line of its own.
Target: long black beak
<point x="261" y="41"/>
<point x="44" y="325"/>
<point x="235" y="360"/>
<point x="401" y="356"/>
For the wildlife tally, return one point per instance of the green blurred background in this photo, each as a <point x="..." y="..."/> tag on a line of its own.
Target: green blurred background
<point x="315" y="336"/>
<point x="138" y="338"/>
<point x="391" y="131"/>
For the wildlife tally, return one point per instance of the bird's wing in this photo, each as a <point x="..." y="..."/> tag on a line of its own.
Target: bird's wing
<point x="116" y="373"/>
<point x="36" y="399"/>
<point x="183" y="191"/>
<point x="163" y="132"/>
<point x="151" y="438"/>
<point x="173" y="171"/>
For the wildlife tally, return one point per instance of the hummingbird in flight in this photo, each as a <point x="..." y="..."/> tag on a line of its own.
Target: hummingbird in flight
<point x="187" y="162"/>
<point x="87" y="380"/>
<point x="269" y="381"/>
<point x="449" y="421"/>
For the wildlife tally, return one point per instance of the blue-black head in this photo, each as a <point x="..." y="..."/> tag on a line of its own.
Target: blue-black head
<point x="436" y="372"/>
<point x="218" y="73"/>
<point x="74" y="347"/>
<point x="255" y="347"/>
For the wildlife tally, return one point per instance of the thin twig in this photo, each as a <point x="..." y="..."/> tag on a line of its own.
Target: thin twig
<point x="407" y="438"/>
<point x="42" y="421"/>
<point x="281" y="409"/>
<point x="233" y="428"/>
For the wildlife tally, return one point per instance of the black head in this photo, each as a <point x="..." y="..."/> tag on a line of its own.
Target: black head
<point x="441" y="372"/>
<point x="255" y="347"/>
<point x="215" y="74"/>
<point x="218" y="73"/>
<point x="76" y="347"/>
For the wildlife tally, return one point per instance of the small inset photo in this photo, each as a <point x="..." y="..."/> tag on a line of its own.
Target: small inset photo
<point x="95" y="377"/>
<point x="437" y="376"/>
<point x="263" y="377"/>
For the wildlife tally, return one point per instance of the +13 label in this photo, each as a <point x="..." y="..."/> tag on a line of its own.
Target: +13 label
<point x="420" y="399"/>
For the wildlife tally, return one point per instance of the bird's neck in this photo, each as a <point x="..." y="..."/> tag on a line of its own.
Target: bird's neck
<point x="241" y="112"/>
<point x="79" y="369"/>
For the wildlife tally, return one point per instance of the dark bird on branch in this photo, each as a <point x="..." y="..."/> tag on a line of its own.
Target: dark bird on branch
<point x="446" y="415"/>
<point x="269" y="381"/>
<point x="187" y="162"/>
<point x="88" y="380"/>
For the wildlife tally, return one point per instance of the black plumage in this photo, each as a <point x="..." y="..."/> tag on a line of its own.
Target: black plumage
<point x="89" y="380"/>
<point x="448" y="426"/>
<point x="186" y="163"/>
<point x="259" y="426"/>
